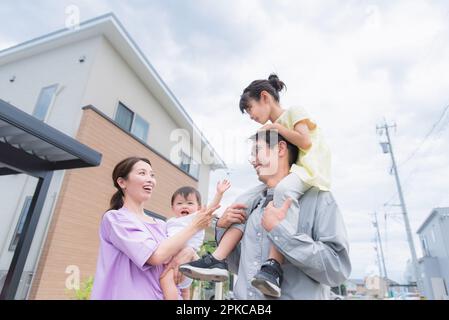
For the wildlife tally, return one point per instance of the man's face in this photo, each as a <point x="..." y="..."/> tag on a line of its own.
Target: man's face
<point x="264" y="160"/>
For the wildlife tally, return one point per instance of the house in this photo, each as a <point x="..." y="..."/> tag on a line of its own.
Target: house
<point x="434" y="265"/>
<point x="94" y="84"/>
<point x="355" y="286"/>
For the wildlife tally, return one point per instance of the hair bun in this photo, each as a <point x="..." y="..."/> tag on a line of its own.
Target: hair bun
<point x="277" y="84"/>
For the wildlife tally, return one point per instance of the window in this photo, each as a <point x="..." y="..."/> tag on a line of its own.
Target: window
<point x="189" y="165"/>
<point x="140" y="128"/>
<point x="124" y="117"/>
<point x="44" y="102"/>
<point x="194" y="169"/>
<point x="20" y="224"/>
<point x="185" y="162"/>
<point x="425" y="247"/>
<point x="131" y="122"/>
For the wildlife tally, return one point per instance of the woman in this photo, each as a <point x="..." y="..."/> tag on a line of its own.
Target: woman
<point x="133" y="246"/>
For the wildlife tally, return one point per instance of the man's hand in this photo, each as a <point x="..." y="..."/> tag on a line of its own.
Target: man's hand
<point x="273" y="216"/>
<point x="236" y="213"/>
<point x="187" y="254"/>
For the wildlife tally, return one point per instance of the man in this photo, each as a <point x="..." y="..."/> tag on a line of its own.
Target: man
<point x="315" y="245"/>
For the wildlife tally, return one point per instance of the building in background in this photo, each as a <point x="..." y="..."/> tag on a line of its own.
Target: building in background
<point x="355" y="287"/>
<point x="92" y="83"/>
<point x="434" y="265"/>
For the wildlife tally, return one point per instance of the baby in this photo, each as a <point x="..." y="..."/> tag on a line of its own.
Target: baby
<point x="185" y="202"/>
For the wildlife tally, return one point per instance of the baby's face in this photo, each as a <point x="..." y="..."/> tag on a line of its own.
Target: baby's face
<point x="184" y="206"/>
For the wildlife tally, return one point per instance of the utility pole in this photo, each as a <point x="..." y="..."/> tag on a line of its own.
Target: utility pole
<point x="387" y="147"/>
<point x="379" y="242"/>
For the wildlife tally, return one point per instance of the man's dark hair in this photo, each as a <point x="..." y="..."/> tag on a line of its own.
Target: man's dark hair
<point x="272" y="138"/>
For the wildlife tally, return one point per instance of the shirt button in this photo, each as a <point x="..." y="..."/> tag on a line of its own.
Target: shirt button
<point x="250" y="294"/>
<point x="255" y="263"/>
<point x="259" y="234"/>
<point x="276" y="238"/>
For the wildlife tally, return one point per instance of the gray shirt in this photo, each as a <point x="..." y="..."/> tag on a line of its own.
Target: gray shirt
<point x="316" y="250"/>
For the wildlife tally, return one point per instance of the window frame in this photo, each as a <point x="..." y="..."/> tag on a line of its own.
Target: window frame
<point x="145" y="139"/>
<point x="133" y="121"/>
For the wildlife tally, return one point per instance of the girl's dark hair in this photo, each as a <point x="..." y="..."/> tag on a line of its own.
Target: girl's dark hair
<point x="122" y="170"/>
<point x="185" y="192"/>
<point x="273" y="86"/>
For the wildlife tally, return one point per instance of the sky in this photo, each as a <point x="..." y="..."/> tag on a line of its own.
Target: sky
<point x="352" y="64"/>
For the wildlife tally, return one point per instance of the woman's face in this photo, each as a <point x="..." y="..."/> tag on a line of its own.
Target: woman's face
<point x="184" y="206"/>
<point x="140" y="182"/>
<point x="259" y="111"/>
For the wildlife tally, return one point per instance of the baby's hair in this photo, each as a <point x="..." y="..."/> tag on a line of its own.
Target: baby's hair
<point x="185" y="192"/>
<point x="273" y="86"/>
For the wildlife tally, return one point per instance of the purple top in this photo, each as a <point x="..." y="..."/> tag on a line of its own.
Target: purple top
<point x="126" y="243"/>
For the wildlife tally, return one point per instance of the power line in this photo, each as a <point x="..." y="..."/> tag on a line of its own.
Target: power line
<point x="426" y="136"/>
<point x="429" y="133"/>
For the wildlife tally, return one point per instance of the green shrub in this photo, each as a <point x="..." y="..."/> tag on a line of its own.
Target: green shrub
<point x="83" y="293"/>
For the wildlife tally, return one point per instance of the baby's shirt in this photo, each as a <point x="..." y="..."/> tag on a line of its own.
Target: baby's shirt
<point x="176" y="224"/>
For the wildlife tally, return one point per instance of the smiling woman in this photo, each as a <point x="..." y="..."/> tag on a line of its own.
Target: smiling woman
<point x="133" y="246"/>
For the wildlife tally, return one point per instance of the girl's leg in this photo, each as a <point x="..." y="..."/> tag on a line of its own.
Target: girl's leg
<point x="228" y="242"/>
<point x="269" y="278"/>
<point x="276" y="254"/>
<point x="213" y="267"/>
<point x="292" y="187"/>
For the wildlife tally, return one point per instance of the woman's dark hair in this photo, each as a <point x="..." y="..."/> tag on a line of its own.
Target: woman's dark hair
<point x="122" y="170"/>
<point x="272" y="138"/>
<point x="185" y="192"/>
<point x="273" y="86"/>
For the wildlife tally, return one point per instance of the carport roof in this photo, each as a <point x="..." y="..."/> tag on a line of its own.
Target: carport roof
<point x="30" y="145"/>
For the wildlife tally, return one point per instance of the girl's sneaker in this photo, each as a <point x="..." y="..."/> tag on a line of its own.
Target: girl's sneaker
<point x="268" y="279"/>
<point x="206" y="269"/>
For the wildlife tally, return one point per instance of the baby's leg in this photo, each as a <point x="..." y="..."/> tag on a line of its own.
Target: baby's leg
<point x="168" y="286"/>
<point x="228" y="242"/>
<point x="185" y="293"/>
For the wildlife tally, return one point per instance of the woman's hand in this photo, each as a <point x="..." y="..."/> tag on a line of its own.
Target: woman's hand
<point x="222" y="186"/>
<point x="236" y="213"/>
<point x="186" y="255"/>
<point x="203" y="218"/>
<point x="273" y="216"/>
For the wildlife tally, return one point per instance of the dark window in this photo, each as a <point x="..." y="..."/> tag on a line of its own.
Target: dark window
<point x="124" y="117"/>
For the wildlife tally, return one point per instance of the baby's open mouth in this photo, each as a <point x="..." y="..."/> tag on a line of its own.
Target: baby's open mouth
<point x="184" y="212"/>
